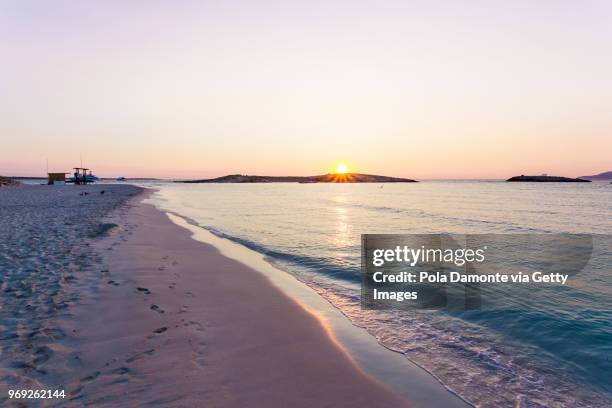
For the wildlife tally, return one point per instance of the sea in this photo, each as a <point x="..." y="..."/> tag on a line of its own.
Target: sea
<point x="556" y="355"/>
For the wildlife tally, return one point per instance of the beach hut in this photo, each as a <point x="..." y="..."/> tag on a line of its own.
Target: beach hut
<point x="56" y="178"/>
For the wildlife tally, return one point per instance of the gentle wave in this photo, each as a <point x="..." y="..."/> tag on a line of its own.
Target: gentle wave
<point x="437" y="341"/>
<point x="495" y="358"/>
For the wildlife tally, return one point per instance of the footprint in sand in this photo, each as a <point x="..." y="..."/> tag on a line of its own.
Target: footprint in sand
<point x="121" y="371"/>
<point x="42" y="355"/>
<point x="198" y="354"/>
<point x="120" y="375"/>
<point x="157" y="309"/>
<point x="75" y="393"/>
<point x="140" y="355"/>
<point x="91" y="377"/>
<point x="167" y="262"/>
<point x="144" y="290"/>
<point x="193" y="324"/>
<point x="160" y="330"/>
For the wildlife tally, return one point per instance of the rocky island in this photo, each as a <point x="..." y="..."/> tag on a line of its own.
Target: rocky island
<point x="547" y="179"/>
<point x="324" y="178"/>
<point x="606" y="175"/>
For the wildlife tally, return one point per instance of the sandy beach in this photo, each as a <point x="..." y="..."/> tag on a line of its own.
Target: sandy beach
<point x="47" y="267"/>
<point x="291" y="204"/>
<point x="127" y="310"/>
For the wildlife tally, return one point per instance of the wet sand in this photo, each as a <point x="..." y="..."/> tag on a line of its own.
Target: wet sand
<point x="172" y="322"/>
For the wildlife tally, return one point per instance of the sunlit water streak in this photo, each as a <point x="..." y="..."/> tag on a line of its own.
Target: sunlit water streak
<point x="558" y="357"/>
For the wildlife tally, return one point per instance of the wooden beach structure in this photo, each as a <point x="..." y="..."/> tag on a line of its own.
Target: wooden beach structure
<point x="56" y="178"/>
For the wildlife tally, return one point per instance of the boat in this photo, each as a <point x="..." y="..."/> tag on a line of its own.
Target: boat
<point x="81" y="177"/>
<point x="88" y="178"/>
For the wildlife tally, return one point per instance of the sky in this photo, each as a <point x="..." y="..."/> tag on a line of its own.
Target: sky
<point x="419" y="89"/>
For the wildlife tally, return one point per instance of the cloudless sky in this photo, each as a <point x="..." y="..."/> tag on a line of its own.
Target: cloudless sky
<point x="421" y="89"/>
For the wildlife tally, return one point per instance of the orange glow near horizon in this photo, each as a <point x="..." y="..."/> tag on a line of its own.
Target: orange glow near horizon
<point x="420" y="94"/>
<point x="342" y="168"/>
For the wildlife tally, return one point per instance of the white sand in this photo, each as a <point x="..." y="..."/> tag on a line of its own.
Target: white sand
<point x="46" y="266"/>
<point x="155" y="318"/>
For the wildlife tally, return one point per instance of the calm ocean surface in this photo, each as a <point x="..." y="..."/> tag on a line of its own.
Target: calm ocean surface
<point x="539" y="356"/>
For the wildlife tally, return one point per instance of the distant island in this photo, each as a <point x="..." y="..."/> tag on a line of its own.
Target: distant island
<point x="325" y="178"/>
<point x="606" y="175"/>
<point x="547" y="179"/>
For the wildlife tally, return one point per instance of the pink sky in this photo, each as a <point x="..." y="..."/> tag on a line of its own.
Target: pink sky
<point x="421" y="89"/>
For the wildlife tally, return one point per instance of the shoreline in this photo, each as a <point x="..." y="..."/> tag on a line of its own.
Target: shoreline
<point x="176" y="323"/>
<point x="408" y="379"/>
<point x="121" y="301"/>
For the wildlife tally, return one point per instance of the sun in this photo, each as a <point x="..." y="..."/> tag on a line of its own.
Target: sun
<point x="341" y="168"/>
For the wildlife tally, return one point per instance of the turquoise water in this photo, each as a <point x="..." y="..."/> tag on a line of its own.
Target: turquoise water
<point x="556" y="353"/>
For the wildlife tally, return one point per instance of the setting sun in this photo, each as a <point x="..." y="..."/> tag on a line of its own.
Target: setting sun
<point x="342" y="168"/>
